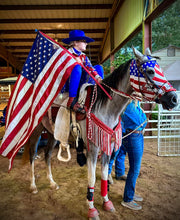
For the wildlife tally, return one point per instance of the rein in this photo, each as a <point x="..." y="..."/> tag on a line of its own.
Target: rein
<point x="121" y="93"/>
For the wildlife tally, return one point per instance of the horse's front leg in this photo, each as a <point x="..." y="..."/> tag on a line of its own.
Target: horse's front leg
<point x="107" y="204"/>
<point x="91" y="163"/>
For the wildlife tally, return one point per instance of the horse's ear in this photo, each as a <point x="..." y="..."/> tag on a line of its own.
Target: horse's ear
<point x="138" y="54"/>
<point x="147" y="52"/>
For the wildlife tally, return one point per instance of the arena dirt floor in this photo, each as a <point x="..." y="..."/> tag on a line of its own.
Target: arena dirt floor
<point x="158" y="184"/>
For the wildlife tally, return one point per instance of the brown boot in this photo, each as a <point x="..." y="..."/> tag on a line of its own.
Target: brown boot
<point x="75" y="106"/>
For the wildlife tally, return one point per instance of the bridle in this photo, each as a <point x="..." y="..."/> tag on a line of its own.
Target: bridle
<point x="150" y="84"/>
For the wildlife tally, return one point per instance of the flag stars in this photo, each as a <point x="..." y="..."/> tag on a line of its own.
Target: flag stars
<point x="40" y="54"/>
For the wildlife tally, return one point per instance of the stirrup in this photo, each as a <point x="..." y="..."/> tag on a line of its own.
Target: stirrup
<point x="59" y="157"/>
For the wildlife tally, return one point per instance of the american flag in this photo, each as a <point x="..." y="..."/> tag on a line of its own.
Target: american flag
<point x="159" y="79"/>
<point x="45" y="72"/>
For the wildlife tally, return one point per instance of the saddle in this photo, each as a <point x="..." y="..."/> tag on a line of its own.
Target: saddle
<point x="64" y="122"/>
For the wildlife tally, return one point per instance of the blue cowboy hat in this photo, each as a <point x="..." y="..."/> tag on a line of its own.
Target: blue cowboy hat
<point x="76" y="35"/>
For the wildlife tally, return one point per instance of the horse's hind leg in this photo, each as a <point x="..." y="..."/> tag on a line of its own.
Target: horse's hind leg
<point x="91" y="162"/>
<point x="48" y="153"/>
<point x="107" y="204"/>
<point x="33" y="141"/>
<point x="33" y="187"/>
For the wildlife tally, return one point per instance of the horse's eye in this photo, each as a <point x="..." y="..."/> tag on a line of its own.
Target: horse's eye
<point x="150" y="72"/>
<point x="141" y="69"/>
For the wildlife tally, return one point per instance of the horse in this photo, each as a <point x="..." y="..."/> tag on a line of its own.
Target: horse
<point x="101" y="130"/>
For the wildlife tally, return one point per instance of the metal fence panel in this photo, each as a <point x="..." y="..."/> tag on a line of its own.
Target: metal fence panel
<point x="166" y="129"/>
<point x="169" y="131"/>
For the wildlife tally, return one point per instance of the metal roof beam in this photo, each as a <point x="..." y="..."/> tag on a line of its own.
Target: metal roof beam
<point x="53" y="20"/>
<point x="29" y="47"/>
<point x="32" y="39"/>
<point x="55" y="7"/>
<point x="54" y="31"/>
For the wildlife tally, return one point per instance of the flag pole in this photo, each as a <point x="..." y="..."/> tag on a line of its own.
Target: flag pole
<point x="79" y="63"/>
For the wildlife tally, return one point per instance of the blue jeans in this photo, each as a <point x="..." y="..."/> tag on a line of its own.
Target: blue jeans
<point x="119" y="157"/>
<point x="134" y="145"/>
<point x="120" y="162"/>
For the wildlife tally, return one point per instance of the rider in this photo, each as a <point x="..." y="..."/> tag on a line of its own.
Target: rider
<point x="77" y="42"/>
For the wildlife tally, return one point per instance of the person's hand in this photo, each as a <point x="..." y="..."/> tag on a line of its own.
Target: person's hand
<point x="99" y="79"/>
<point x="78" y="59"/>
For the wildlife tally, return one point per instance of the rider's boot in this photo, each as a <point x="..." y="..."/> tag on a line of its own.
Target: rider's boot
<point x="75" y="106"/>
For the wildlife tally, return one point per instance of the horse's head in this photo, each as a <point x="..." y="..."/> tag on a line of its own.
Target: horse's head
<point x="147" y="78"/>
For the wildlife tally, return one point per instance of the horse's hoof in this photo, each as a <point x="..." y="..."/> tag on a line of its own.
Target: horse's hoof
<point x="34" y="190"/>
<point x="93" y="214"/>
<point x="108" y="206"/>
<point x="55" y="186"/>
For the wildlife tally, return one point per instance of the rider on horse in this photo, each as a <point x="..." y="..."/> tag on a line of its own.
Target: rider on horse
<point x="77" y="42"/>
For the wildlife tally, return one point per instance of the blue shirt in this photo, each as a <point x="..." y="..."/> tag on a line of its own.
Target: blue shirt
<point x="133" y="116"/>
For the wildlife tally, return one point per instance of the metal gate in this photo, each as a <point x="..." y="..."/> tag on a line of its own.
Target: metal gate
<point x="166" y="130"/>
<point x="169" y="131"/>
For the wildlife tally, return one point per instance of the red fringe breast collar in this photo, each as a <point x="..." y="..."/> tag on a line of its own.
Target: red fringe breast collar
<point x="102" y="136"/>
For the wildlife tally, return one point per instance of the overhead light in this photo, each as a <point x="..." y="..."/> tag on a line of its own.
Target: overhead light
<point x="59" y="26"/>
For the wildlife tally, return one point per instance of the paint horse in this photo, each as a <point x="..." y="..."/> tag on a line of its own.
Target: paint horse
<point x="101" y="130"/>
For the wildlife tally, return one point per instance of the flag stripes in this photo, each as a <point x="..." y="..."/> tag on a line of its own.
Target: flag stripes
<point x="31" y="97"/>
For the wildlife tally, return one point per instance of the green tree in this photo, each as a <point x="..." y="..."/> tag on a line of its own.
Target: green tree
<point x="165" y="32"/>
<point x="165" y="28"/>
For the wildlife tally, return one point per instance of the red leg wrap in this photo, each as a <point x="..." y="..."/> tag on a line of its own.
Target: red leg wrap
<point x="104" y="187"/>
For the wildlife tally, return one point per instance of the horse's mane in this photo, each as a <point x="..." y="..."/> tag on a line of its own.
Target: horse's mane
<point x="112" y="81"/>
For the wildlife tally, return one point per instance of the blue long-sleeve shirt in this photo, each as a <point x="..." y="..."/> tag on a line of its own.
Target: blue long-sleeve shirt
<point x="132" y="117"/>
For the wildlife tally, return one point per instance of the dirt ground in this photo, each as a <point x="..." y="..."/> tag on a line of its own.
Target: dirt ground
<point x="158" y="184"/>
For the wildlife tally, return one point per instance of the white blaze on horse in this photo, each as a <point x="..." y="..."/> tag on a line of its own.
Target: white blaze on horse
<point x="101" y="130"/>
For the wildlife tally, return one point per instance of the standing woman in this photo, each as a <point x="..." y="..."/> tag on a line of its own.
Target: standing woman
<point x="134" y="121"/>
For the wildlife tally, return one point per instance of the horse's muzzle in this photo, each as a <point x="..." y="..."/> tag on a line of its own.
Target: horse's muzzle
<point x="169" y="100"/>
